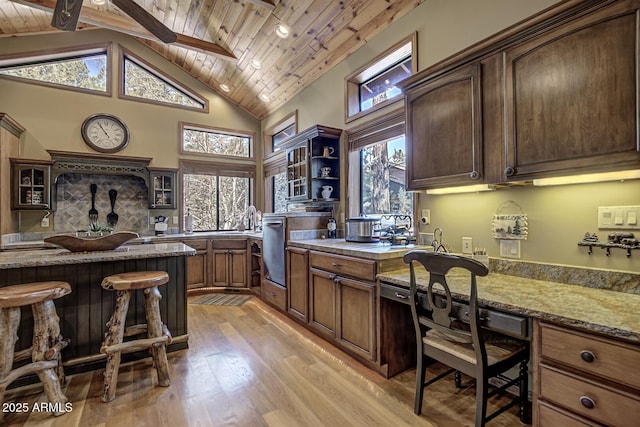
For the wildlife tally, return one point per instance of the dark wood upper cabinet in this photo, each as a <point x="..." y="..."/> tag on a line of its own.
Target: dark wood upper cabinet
<point x="444" y="130"/>
<point x="571" y="97"/>
<point x="557" y="94"/>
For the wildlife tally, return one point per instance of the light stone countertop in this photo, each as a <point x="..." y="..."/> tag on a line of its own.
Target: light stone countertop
<point x="612" y="313"/>
<point x="376" y="251"/>
<point x="616" y="314"/>
<point x="40" y="244"/>
<point x="45" y="257"/>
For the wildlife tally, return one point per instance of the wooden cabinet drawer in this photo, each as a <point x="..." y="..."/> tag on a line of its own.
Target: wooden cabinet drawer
<point x="598" y="402"/>
<point x="228" y="244"/>
<point x="197" y="244"/>
<point x="605" y="358"/>
<point x="274" y="294"/>
<point x="358" y="268"/>
<point x="552" y="416"/>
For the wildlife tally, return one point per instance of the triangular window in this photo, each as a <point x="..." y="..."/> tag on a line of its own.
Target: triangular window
<point x="141" y="81"/>
<point x="83" y="69"/>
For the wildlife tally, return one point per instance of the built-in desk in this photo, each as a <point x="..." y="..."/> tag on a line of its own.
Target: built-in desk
<point x="609" y="313"/>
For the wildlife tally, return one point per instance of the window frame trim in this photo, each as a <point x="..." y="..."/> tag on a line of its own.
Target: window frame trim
<point x="61" y="54"/>
<point x="213" y="129"/>
<point x="241" y="170"/>
<point x="280" y="125"/>
<point x="146" y="65"/>
<point x="352" y="81"/>
<point x="373" y="131"/>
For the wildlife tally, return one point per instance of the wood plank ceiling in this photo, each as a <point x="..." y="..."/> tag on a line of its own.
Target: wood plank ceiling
<point x="322" y="33"/>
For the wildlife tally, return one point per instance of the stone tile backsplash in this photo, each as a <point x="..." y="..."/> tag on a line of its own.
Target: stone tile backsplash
<point x="74" y="201"/>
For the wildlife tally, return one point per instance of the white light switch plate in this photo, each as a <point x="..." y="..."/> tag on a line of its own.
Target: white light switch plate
<point x="467" y="245"/>
<point x="510" y="248"/>
<point x="618" y="217"/>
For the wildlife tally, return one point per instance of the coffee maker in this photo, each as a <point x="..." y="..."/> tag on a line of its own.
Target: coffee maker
<point x="161" y="225"/>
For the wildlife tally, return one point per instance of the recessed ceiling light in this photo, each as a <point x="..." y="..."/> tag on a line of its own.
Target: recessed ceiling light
<point x="256" y="64"/>
<point x="224" y="87"/>
<point x="264" y="97"/>
<point x="98" y="2"/>
<point x="282" y="31"/>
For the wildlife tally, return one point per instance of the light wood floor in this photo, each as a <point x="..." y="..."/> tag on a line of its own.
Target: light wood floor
<point x="252" y="366"/>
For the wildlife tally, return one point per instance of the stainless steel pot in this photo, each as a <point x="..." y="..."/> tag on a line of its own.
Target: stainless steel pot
<point x="361" y="229"/>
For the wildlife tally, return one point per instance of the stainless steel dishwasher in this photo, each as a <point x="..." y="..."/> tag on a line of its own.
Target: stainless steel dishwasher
<point x="273" y="241"/>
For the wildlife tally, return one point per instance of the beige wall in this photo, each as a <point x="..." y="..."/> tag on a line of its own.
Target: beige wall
<point x="52" y="117"/>
<point x="558" y="216"/>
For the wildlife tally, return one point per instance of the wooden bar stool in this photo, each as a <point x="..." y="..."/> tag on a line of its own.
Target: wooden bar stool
<point x="158" y="336"/>
<point x="47" y="341"/>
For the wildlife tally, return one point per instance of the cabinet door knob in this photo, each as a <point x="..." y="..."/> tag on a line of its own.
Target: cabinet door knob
<point x="587" y="356"/>
<point x="587" y="402"/>
<point x="509" y="171"/>
<point x="474" y="175"/>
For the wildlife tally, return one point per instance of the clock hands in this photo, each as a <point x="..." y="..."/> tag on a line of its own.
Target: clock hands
<point x="103" y="130"/>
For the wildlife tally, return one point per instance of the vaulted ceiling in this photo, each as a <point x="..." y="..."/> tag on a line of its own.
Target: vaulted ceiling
<point x="217" y="40"/>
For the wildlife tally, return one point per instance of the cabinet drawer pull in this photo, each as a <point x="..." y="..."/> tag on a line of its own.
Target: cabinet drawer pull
<point x="272" y="294"/>
<point x="587" y="356"/>
<point x="399" y="295"/>
<point x="335" y="264"/>
<point x="587" y="402"/>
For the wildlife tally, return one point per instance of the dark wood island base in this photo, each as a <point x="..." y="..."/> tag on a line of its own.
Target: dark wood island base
<point x="85" y="312"/>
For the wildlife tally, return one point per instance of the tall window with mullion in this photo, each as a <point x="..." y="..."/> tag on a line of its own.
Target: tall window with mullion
<point x="217" y="195"/>
<point x="382" y="179"/>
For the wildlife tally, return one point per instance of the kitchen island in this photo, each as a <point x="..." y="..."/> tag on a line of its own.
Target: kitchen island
<point x="85" y="312"/>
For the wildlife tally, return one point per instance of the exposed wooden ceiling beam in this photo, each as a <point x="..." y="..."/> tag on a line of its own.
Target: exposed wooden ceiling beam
<point x="126" y="25"/>
<point x="269" y="4"/>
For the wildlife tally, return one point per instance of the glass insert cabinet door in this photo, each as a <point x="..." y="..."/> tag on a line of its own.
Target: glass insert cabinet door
<point x="30" y="185"/>
<point x="162" y="191"/>
<point x="297" y="173"/>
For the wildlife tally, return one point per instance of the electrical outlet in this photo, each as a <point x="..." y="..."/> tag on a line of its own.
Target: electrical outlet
<point x="45" y="222"/>
<point x="175" y="220"/>
<point x="151" y="220"/>
<point x="467" y="245"/>
<point x="426" y="217"/>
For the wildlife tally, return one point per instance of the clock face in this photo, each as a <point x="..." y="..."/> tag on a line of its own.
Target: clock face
<point x="105" y="133"/>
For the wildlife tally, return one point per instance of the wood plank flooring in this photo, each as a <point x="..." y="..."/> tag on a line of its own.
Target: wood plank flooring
<point x="252" y="366"/>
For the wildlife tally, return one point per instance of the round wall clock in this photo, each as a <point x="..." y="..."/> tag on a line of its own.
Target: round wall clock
<point x="105" y="133"/>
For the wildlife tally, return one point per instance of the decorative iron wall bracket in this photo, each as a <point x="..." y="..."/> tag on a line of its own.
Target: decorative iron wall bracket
<point x="607" y="247"/>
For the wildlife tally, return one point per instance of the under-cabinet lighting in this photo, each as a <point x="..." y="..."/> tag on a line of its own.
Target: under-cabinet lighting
<point x="282" y="31"/>
<point x="591" y="177"/>
<point x="463" y="189"/>
<point x="224" y="87"/>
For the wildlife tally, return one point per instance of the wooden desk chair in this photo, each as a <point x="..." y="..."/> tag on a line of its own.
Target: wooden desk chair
<point x="464" y="347"/>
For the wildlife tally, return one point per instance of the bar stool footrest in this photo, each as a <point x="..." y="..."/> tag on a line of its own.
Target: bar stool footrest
<point x="26" y="370"/>
<point x="131" y="346"/>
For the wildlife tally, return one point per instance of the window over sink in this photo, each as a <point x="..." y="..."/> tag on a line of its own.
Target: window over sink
<point x="377" y="164"/>
<point x="218" y="195"/>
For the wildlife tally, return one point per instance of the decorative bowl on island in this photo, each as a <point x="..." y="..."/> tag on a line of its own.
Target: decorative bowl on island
<point x="75" y="243"/>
